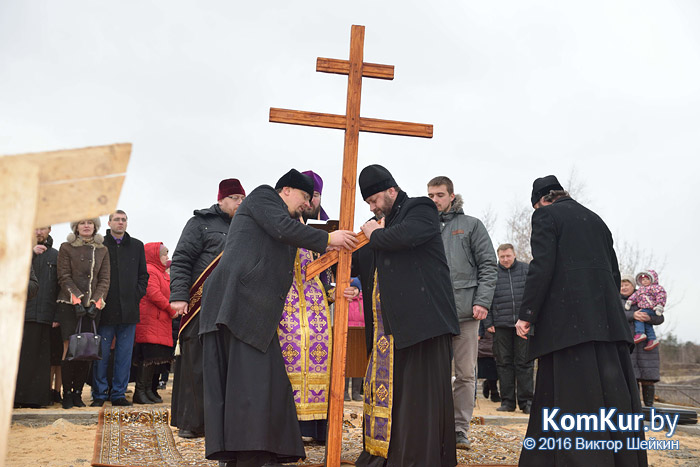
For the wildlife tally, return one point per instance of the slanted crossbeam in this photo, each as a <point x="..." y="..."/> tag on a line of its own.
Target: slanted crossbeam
<point x="355" y="68"/>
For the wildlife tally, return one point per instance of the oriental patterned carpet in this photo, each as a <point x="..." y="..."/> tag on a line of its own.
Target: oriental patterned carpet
<point x="138" y="437"/>
<point x="142" y="437"/>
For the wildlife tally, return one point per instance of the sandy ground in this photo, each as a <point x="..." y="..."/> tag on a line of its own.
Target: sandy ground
<point x="66" y="444"/>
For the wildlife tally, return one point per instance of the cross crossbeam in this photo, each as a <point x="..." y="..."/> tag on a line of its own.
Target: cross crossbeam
<point x="355" y="68"/>
<point x="370" y="125"/>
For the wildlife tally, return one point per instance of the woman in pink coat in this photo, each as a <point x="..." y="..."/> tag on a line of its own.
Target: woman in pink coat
<point x="154" y="338"/>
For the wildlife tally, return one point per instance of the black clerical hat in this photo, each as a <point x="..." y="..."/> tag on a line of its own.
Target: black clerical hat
<point x="373" y="179"/>
<point x="296" y="179"/>
<point x="542" y="186"/>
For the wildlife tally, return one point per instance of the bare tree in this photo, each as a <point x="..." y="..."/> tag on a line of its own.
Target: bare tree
<point x="632" y="259"/>
<point x="519" y="230"/>
<point x="489" y="218"/>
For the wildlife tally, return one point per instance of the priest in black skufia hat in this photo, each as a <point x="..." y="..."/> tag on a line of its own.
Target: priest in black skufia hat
<point x="250" y="416"/>
<point x="410" y="318"/>
<point x="572" y="316"/>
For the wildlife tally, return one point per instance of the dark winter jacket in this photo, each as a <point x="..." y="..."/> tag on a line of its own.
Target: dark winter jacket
<point x="572" y="293"/>
<point x="129" y="278"/>
<point x="247" y="290"/>
<point x="42" y="308"/>
<point x="414" y="278"/>
<point x="646" y="363"/>
<point x="471" y="259"/>
<point x="485" y="343"/>
<point x="201" y="241"/>
<point x="33" y="286"/>
<point x="508" y="296"/>
<point x="83" y="270"/>
<point x="156" y="322"/>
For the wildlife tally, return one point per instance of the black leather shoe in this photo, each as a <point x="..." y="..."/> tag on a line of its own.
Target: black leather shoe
<point x="505" y="408"/>
<point x="97" y="403"/>
<point x="67" y="401"/>
<point x="77" y="399"/>
<point x="189" y="434"/>
<point x="122" y="402"/>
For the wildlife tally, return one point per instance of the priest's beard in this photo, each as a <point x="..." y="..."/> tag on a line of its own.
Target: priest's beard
<point x="311" y="213"/>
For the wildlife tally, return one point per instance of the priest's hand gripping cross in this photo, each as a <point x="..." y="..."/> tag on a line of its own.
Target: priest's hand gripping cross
<point x="352" y="123"/>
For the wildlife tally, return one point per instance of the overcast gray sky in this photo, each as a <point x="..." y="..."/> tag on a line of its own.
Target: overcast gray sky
<point x="515" y="89"/>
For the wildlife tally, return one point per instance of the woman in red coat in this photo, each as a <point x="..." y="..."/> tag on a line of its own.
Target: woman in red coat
<point x="154" y="338"/>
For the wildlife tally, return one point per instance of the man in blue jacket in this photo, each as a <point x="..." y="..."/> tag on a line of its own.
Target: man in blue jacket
<point x="510" y="351"/>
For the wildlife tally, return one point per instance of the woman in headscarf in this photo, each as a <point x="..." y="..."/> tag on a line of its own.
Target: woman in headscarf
<point x="646" y="363"/>
<point x="83" y="275"/>
<point x="154" y="338"/>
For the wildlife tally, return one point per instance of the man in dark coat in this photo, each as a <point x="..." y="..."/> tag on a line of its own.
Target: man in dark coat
<point x="572" y="315"/>
<point x="129" y="279"/>
<point x="408" y="296"/>
<point x="512" y="359"/>
<point x="250" y="414"/>
<point x="33" y="374"/>
<point x="201" y="242"/>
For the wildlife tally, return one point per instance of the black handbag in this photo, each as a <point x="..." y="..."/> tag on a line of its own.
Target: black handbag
<point x="84" y="346"/>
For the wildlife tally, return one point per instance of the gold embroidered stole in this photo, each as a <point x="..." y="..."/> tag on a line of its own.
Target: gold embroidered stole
<point x="379" y="381"/>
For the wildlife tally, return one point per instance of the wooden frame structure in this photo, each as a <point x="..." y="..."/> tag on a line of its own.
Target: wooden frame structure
<point x="352" y="123"/>
<point x="39" y="190"/>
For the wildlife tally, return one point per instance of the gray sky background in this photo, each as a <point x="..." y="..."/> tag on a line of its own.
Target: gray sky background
<point x="515" y="90"/>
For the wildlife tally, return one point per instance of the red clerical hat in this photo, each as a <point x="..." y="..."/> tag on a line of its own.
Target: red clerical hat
<point x="230" y="186"/>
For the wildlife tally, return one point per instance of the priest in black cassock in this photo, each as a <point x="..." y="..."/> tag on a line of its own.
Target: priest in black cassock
<point x="411" y="317"/>
<point x="572" y="315"/>
<point x="34" y="372"/>
<point x="250" y="416"/>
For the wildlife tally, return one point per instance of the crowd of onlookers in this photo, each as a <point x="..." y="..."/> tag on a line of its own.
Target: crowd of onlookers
<point x="503" y="363"/>
<point x="113" y="284"/>
<point x="122" y="287"/>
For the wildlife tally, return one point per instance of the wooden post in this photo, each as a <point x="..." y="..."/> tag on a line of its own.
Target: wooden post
<point x="39" y="190"/>
<point x="353" y="124"/>
<point x="19" y="183"/>
<point x="347" y="216"/>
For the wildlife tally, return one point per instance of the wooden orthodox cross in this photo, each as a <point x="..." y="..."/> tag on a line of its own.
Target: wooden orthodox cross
<point x="352" y="123"/>
<point x="38" y="190"/>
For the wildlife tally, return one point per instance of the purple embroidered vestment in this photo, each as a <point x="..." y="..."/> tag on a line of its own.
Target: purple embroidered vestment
<point x="305" y="338"/>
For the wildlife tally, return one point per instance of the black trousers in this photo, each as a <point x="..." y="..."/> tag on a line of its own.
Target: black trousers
<point x="515" y="371"/>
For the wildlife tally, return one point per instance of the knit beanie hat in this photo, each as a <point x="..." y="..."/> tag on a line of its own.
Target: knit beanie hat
<point x="228" y="187"/>
<point x="542" y="186"/>
<point x="629" y="278"/>
<point x="373" y="179"/>
<point x="296" y="179"/>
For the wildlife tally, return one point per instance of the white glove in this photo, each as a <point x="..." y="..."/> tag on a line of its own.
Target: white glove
<point x="628" y="304"/>
<point x="659" y="310"/>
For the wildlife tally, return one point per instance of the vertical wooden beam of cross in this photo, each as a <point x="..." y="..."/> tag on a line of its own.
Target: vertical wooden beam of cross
<point x="39" y="190"/>
<point x="352" y="123"/>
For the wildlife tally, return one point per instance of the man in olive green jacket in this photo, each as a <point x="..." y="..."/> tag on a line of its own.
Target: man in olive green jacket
<point x="473" y="271"/>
